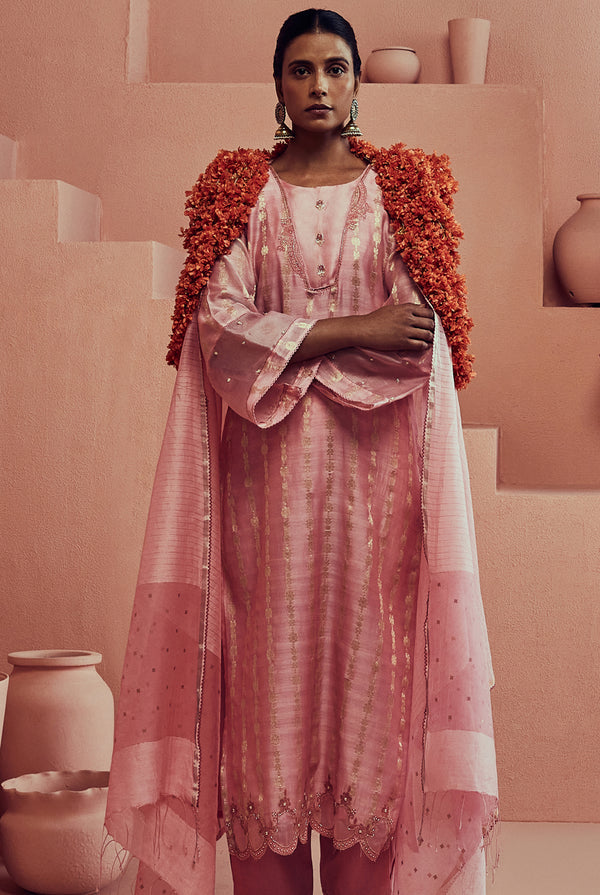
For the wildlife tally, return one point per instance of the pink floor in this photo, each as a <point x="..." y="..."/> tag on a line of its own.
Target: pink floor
<point x="536" y="859"/>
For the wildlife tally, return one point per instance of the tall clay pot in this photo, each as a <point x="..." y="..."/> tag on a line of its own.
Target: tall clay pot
<point x="469" y="38"/>
<point x="59" y="714"/>
<point x="52" y="833"/>
<point x="3" y="694"/>
<point x="577" y="251"/>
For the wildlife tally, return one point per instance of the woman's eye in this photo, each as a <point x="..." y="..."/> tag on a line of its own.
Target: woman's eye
<point x="337" y="70"/>
<point x="300" y="72"/>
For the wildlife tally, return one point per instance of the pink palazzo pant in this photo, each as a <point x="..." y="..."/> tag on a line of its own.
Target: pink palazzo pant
<point x="347" y="872"/>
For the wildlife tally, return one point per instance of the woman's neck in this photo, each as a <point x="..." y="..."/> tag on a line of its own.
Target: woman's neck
<point x="310" y="160"/>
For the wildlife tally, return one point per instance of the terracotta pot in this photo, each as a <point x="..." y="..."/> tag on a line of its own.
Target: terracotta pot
<point x="577" y="251"/>
<point x="469" y="40"/>
<point x="59" y="714"/>
<point x="3" y="693"/>
<point x="52" y="833"/>
<point x="393" y="65"/>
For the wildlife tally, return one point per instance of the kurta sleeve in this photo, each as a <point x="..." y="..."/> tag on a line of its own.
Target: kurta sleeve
<point x="248" y="352"/>
<point x="366" y="379"/>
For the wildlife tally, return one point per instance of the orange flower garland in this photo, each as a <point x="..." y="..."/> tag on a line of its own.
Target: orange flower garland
<point x="417" y="194"/>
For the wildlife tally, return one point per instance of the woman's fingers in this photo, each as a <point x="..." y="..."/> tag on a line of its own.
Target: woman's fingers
<point x="423" y="311"/>
<point x="422" y="327"/>
<point x="398" y="328"/>
<point x="423" y="318"/>
<point x="421" y="335"/>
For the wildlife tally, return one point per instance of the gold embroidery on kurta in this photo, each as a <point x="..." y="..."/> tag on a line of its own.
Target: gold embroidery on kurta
<point x="368" y="562"/>
<point x="289" y="587"/>
<point x="360" y="745"/>
<point x="356" y="281"/>
<point x="308" y="480"/>
<point x="395" y="515"/>
<point x="376" y="270"/>
<point x="264" y="274"/>
<point x="323" y="586"/>
<point x="272" y="696"/>
<point x="252" y="639"/>
<point x="347" y="574"/>
<point x="392" y="516"/>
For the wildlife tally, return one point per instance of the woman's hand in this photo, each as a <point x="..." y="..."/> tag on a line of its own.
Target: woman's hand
<point x="406" y="327"/>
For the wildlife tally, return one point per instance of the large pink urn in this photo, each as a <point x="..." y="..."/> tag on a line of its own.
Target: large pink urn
<point x="577" y="251"/>
<point x="52" y="833"/>
<point x="59" y="714"/>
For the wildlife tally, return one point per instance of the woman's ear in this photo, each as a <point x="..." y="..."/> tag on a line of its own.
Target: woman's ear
<point x="356" y="84"/>
<point x="278" y="90"/>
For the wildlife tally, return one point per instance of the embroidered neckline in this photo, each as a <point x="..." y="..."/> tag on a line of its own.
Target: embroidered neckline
<point x="290" y="244"/>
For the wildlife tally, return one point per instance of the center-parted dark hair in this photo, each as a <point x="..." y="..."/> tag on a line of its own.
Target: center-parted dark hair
<point x="311" y="21"/>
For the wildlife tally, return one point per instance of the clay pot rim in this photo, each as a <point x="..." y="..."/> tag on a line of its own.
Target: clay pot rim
<point x="4" y="676"/>
<point x="64" y="785"/>
<point x="55" y="658"/>
<point x="469" y="19"/>
<point x="381" y="49"/>
<point x="583" y="196"/>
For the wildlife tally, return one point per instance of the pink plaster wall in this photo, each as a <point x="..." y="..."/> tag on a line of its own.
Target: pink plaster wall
<point x="539" y="574"/>
<point x="82" y="403"/>
<point x="84" y="388"/>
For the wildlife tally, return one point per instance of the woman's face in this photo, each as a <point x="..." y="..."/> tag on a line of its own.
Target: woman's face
<point x="317" y="82"/>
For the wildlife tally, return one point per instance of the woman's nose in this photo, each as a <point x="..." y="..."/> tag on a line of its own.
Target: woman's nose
<point x="319" y="87"/>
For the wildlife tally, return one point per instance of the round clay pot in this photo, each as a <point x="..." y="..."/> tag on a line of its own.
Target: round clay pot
<point x="52" y="833"/>
<point x="393" y="65"/>
<point x="577" y="251"/>
<point x="59" y="714"/>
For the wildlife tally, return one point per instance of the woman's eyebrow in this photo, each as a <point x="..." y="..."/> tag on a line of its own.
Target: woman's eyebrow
<point x="327" y="61"/>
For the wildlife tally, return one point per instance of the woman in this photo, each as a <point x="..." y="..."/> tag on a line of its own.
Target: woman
<point x="322" y="545"/>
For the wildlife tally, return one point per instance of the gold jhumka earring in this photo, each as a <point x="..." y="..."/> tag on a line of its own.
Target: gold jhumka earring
<point x="283" y="134"/>
<point x="352" y="129"/>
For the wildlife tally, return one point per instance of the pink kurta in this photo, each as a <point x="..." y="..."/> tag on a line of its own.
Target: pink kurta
<point x="321" y="525"/>
<point x="345" y="607"/>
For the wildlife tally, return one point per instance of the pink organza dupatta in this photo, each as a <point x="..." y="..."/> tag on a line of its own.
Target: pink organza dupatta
<point x="451" y="806"/>
<point x="163" y="796"/>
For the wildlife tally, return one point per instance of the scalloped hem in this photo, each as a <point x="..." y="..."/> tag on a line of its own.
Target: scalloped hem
<point x="250" y="835"/>
<point x="271" y="845"/>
